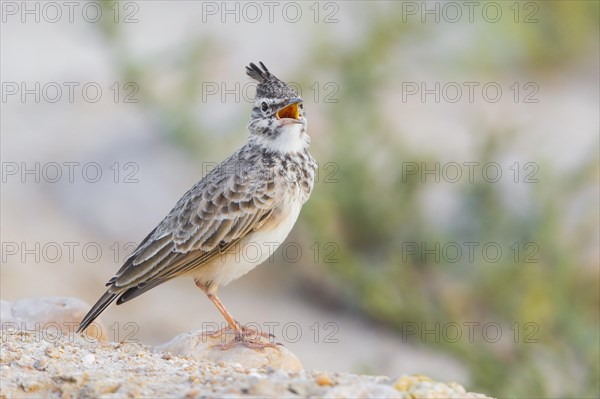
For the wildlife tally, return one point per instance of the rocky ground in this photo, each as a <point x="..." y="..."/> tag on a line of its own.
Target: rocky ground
<point x="69" y="366"/>
<point x="41" y="357"/>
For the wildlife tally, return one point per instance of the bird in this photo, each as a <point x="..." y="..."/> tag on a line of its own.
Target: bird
<point x="251" y="200"/>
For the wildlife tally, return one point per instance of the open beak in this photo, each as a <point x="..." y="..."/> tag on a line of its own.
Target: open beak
<point x="290" y="112"/>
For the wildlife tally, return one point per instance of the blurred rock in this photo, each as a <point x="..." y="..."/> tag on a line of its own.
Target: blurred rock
<point x="52" y="315"/>
<point x="200" y="345"/>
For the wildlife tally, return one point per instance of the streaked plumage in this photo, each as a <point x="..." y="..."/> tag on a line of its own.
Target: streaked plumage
<point x="252" y="198"/>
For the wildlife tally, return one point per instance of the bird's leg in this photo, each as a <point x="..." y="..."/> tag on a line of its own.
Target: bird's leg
<point x="248" y="336"/>
<point x="234" y="325"/>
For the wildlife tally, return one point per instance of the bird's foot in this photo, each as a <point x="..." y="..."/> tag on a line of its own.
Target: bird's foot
<point x="217" y="333"/>
<point x="250" y="338"/>
<point x="253" y="332"/>
<point x="241" y="329"/>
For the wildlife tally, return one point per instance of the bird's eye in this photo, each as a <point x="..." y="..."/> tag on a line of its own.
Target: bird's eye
<point x="264" y="107"/>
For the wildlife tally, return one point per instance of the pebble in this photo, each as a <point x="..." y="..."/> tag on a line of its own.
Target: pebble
<point x="324" y="380"/>
<point x="88" y="360"/>
<point x="52" y="352"/>
<point x="237" y="367"/>
<point x="192" y="393"/>
<point x="40" y="364"/>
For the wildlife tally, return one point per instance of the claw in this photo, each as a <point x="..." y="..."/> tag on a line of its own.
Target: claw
<point x="217" y="333"/>
<point x="250" y="338"/>
<point x="247" y="336"/>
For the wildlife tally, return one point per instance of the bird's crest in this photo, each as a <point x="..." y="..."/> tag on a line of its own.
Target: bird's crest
<point x="269" y="86"/>
<point x="256" y="73"/>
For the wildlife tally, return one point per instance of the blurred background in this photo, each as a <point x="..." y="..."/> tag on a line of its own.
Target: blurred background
<point x="454" y="227"/>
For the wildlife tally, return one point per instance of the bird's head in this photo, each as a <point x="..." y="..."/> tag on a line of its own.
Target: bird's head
<point x="277" y="120"/>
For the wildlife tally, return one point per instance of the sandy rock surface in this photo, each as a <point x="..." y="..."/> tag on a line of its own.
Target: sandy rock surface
<point x="69" y="366"/>
<point x="199" y="345"/>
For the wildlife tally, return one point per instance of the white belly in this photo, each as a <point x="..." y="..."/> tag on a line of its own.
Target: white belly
<point x="253" y="250"/>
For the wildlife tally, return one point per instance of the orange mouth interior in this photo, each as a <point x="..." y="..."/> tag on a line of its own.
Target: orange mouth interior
<point x="291" y="112"/>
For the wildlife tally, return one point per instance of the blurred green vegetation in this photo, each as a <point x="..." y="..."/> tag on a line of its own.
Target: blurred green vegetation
<point x="372" y="215"/>
<point x="371" y="212"/>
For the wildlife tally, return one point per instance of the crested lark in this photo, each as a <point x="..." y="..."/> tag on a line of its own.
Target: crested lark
<point x="252" y="199"/>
